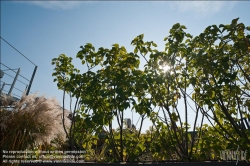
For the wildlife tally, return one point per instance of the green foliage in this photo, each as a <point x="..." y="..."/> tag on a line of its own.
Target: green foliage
<point x="214" y="64"/>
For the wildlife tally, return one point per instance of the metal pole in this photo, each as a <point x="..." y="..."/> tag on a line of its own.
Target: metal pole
<point x="33" y="75"/>
<point x="14" y="81"/>
<point x="1" y="74"/>
<point x="2" y="87"/>
<point x="26" y="88"/>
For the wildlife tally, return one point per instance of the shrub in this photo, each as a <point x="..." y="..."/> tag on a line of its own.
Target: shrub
<point x="30" y="122"/>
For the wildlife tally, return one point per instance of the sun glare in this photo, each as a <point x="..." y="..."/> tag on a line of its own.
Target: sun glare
<point x="165" y="68"/>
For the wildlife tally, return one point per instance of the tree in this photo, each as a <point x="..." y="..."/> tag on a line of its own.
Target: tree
<point x="168" y="88"/>
<point x="106" y="93"/>
<point x="219" y="73"/>
<point x="214" y="64"/>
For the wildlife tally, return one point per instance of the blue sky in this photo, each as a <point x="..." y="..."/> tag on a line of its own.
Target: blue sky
<point x="43" y="30"/>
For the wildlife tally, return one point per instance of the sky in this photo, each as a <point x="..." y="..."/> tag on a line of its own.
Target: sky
<point x="42" y="30"/>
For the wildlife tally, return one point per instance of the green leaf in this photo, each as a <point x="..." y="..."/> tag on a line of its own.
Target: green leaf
<point x="123" y="49"/>
<point x="183" y="27"/>
<point x="189" y="35"/>
<point x="188" y="40"/>
<point x="193" y="81"/>
<point x="79" y="55"/>
<point x="155" y="45"/>
<point x="116" y="45"/>
<point x="174" y="116"/>
<point x="221" y="25"/>
<point x="95" y="141"/>
<point x="234" y="21"/>
<point x="135" y="50"/>
<point x="141" y="147"/>
<point x="175" y="26"/>
<point x="141" y="36"/>
<point x="84" y="145"/>
<point x="89" y="44"/>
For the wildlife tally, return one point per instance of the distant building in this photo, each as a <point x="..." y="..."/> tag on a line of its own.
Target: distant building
<point x="128" y="123"/>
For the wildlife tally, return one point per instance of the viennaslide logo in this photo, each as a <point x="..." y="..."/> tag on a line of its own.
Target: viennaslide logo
<point x="230" y="155"/>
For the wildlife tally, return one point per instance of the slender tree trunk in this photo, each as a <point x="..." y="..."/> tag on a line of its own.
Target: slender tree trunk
<point x="193" y="134"/>
<point x="186" y="111"/>
<point x="121" y="140"/>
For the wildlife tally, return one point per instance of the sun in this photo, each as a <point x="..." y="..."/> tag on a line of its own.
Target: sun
<point x="165" y="68"/>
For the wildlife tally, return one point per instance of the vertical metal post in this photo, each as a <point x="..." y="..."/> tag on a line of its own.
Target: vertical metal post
<point x="26" y="88"/>
<point x="1" y="74"/>
<point x="33" y="75"/>
<point x="2" y="87"/>
<point x="14" y="81"/>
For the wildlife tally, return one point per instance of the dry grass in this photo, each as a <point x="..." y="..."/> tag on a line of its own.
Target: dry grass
<point x="30" y="122"/>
